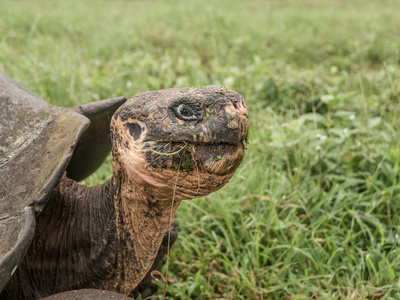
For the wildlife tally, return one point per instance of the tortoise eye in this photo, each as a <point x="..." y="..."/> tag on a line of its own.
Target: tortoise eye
<point x="185" y="112"/>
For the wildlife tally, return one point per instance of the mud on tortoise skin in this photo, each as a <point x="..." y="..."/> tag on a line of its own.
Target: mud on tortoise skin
<point x="57" y="235"/>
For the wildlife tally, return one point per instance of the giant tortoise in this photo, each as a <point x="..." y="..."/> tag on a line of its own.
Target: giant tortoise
<point x="57" y="235"/>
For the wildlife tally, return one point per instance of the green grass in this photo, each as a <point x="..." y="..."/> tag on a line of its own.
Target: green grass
<point x="314" y="210"/>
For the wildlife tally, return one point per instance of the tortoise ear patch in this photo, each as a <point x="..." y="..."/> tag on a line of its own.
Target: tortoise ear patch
<point x="135" y="130"/>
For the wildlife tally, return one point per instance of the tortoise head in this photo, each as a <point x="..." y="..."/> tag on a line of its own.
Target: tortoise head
<point x="184" y="141"/>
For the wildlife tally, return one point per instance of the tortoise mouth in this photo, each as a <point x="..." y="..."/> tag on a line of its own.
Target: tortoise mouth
<point x="214" y="158"/>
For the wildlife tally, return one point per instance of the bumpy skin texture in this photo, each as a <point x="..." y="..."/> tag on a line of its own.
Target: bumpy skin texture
<point x="75" y="246"/>
<point x="168" y="146"/>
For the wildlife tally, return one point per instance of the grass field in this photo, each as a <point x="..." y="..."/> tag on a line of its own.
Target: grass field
<point x="313" y="212"/>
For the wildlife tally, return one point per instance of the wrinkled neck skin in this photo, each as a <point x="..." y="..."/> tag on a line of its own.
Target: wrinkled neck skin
<point x="141" y="222"/>
<point x="74" y="245"/>
<point x="103" y="237"/>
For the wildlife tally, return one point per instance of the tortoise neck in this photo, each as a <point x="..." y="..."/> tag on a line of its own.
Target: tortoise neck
<point x="141" y="222"/>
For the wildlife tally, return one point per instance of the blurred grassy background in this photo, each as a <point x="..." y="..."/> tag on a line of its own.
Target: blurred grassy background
<point x="313" y="212"/>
